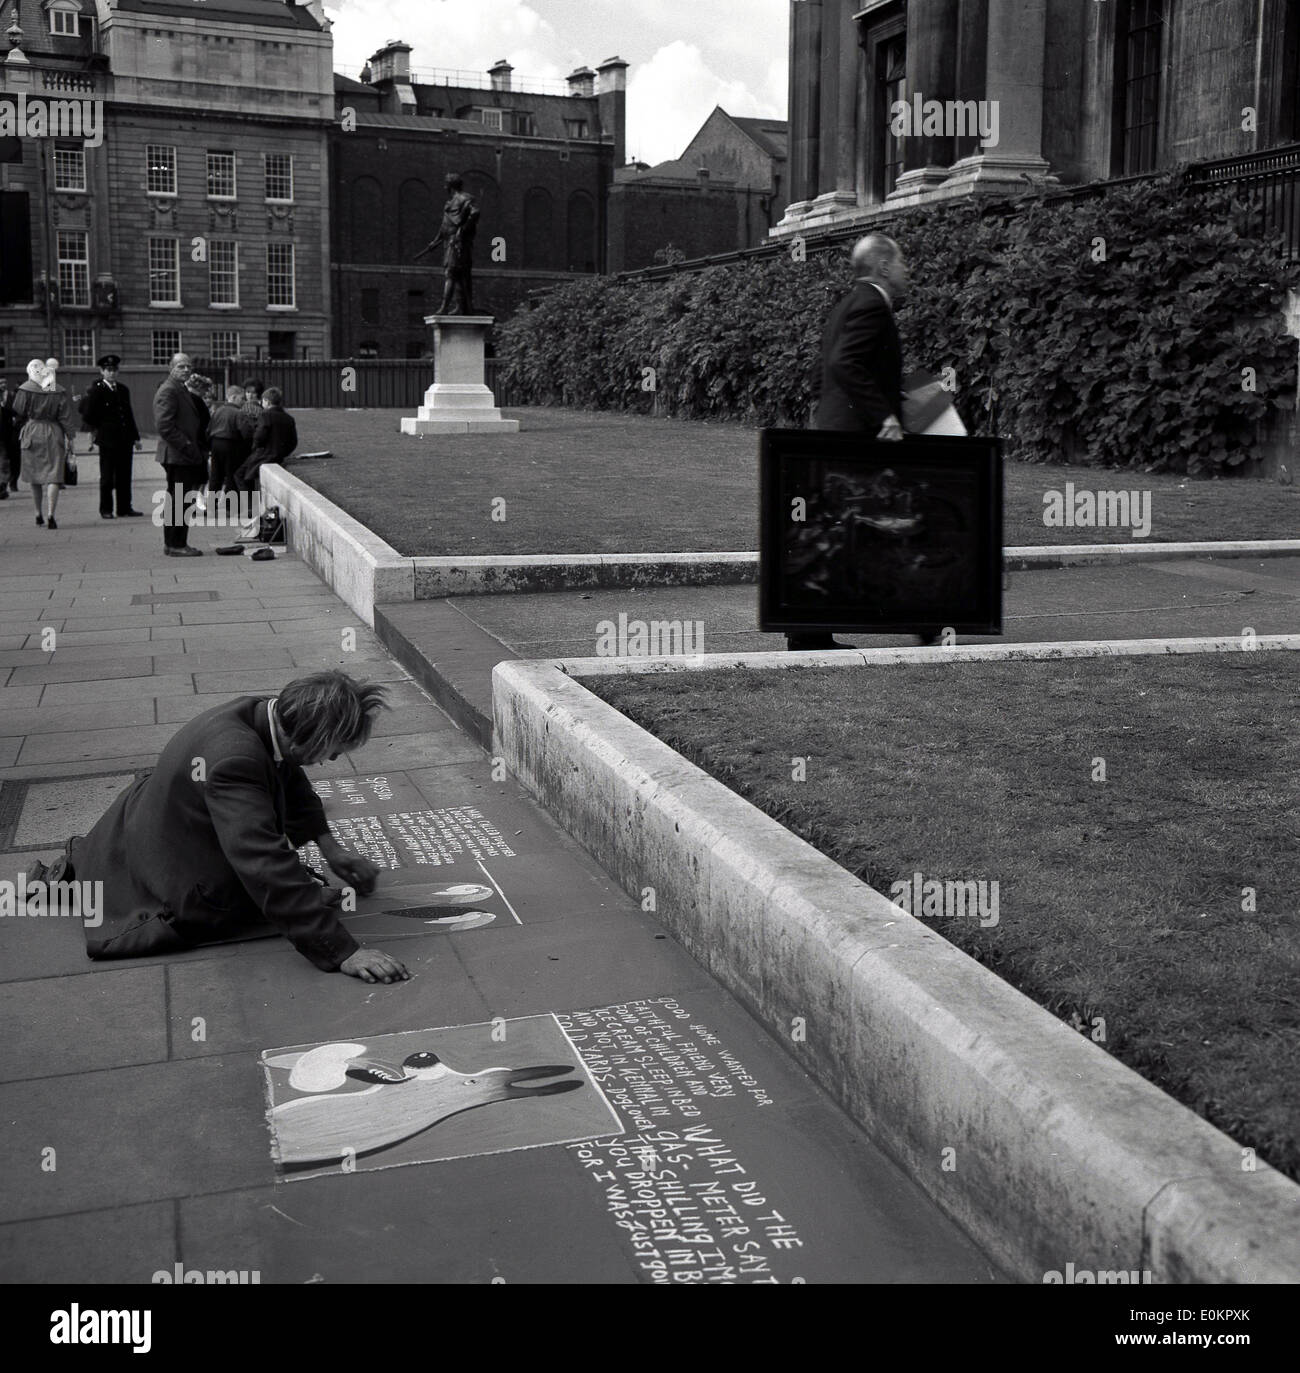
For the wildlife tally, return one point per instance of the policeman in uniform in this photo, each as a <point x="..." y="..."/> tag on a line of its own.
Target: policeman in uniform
<point x="106" y="409"/>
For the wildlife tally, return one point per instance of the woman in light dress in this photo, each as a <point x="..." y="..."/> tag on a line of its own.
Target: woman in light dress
<point x="43" y="409"/>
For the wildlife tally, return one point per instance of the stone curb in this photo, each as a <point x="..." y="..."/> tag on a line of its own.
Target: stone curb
<point x="365" y="571"/>
<point x="899" y="657"/>
<point x="485" y="576"/>
<point x="357" y="565"/>
<point x="1062" y="1154"/>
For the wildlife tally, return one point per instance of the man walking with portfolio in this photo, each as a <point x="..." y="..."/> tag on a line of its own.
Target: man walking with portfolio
<point x="106" y="410"/>
<point x="858" y="382"/>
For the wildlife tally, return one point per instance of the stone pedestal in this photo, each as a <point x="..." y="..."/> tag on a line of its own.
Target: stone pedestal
<point x="459" y="401"/>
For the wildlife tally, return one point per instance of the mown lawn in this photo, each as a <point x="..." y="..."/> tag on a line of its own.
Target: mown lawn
<point x="582" y="482"/>
<point x="1159" y="904"/>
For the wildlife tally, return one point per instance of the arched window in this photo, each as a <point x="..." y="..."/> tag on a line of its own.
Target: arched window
<point x="539" y="229"/>
<point x="581" y="237"/>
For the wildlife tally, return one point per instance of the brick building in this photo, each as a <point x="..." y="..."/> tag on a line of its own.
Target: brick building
<point x="726" y="191"/>
<point x="538" y="157"/>
<point x="200" y="221"/>
<point x="1081" y="92"/>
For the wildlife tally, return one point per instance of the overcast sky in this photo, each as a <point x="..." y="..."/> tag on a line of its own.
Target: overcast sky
<point x="686" y="56"/>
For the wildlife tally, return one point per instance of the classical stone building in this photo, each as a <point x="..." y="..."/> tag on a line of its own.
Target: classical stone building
<point x="200" y="220"/>
<point x="724" y="192"/>
<point x="538" y="157"/>
<point x="1067" y="91"/>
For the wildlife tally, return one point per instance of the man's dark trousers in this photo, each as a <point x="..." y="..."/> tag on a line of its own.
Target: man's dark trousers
<point x="187" y="477"/>
<point x="227" y="455"/>
<point x="116" y="460"/>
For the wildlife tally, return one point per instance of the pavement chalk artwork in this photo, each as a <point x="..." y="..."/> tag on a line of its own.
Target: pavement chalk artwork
<point x="387" y="819"/>
<point x="414" y="1097"/>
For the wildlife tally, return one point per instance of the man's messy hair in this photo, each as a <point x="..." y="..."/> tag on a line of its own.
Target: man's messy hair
<point x="328" y="712"/>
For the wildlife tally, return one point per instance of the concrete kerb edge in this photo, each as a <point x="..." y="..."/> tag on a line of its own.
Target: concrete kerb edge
<point x="952" y="655"/>
<point x="358" y="566"/>
<point x="486" y="575"/>
<point x="924" y="1047"/>
<point x="373" y="572"/>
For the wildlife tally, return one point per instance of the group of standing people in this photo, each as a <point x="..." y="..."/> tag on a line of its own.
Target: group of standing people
<point x="220" y="449"/>
<point x="203" y="443"/>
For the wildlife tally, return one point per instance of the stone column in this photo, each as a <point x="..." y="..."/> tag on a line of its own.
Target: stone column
<point x="1013" y="95"/>
<point x="805" y="104"/>
<point x="837" y="175"/>
<point x="931" y="76"/>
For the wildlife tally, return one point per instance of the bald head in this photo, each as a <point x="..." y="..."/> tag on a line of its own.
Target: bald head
<point x="877" y="258"/>
<point x="181" y="366"/>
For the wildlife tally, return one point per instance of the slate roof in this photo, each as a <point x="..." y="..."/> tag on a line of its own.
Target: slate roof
<point x="272" y="14"/>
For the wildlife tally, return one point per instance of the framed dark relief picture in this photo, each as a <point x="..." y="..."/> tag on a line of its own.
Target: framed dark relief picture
<point x="869" y="537"/>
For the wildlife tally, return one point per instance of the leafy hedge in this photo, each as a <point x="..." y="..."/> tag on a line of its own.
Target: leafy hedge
<point x="1113" y="331"/>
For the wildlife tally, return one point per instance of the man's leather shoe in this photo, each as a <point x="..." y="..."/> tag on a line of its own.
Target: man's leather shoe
<point x="812" y="643"/>
<point x="183" y="552"/>
<point x="105" y="514"/>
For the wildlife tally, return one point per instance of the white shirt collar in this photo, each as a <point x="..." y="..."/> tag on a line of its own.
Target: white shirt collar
<point x="879" y="288"/>
<point x="276" y="750"/>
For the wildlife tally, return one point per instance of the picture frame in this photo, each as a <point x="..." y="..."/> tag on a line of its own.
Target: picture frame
<point x="891" y="537"/>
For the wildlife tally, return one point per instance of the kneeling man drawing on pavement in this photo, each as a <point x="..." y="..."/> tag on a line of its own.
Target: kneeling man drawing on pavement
<point x="203" y="849"/>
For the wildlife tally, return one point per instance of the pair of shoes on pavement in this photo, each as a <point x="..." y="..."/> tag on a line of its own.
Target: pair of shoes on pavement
<point x="186" y="552"/>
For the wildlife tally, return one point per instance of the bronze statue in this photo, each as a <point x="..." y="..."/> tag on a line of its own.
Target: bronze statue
<point x="459" y="221"/>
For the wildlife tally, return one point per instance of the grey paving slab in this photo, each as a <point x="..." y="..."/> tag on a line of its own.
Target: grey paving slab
<point x="117" y="689"/>
<point x="67" y="640"/>
<point x="90" y="1247"/>
<point x="12" y="641"/>
<point x="91" y="744"/>
<point x="406" y="751"/>
<point x="52" y="811"/>
<point x="13" y="697"/>
<point x="82" y="670"/>
<point x="129" y="1135"/>
<point x="79" y="768"/>
<point x="9" y="749"/>
<point x="228" y="658"/>
<point x="201" y="636"/>
<point x="287" y="621"/>
<point x="23" y="657"/>
<point x="57" y="719"/>
<point x="74" y="1024"/>
<point x="436" y="1210"/>
<point x="140" y="619"/>
<point x="250" y="1003"/>
<point x="531" y="969"/>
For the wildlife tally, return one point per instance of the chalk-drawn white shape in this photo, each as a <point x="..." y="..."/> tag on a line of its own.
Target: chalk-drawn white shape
<point x="465" y="920"/>
<point x="323" y="1068"/>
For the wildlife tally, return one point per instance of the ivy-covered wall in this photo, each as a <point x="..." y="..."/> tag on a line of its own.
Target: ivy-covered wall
<point x="1142" y="328"/>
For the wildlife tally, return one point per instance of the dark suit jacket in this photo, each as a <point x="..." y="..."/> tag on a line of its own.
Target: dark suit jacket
<point x="180" y="434"/>
<point x="859" y="383"/>
<point x="216" y="857"/>
<point x="276" y="437"/>
<point x="107" y="410"/>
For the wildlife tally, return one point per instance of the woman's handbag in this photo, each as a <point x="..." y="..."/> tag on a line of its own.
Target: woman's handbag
<point x="70" y="471"/>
